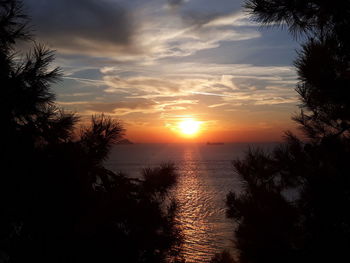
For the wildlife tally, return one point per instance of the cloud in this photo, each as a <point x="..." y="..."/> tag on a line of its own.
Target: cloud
<point x="217" y="105"/>
<point x="211" y="84"/>
<point x="131" y="31"/>
<point x="156" y="87"/>
<point x="84" y="80"/>
<point x="142" y="85"/>
<point x="202" y="70"/>
<point x="131" y="105"/>
<point x="209" y="94"/>
<point x="120" y="107"/>
<point x="83" y="25"/>
<point x="234" y="83"/>
<point x="139" y="104"/>
<point x="184" y="34"/>
<point x="232" y="19"/>
<point x="176" y="3"/>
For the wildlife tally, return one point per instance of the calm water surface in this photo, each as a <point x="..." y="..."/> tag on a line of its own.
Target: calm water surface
<point x="206" y="176"/>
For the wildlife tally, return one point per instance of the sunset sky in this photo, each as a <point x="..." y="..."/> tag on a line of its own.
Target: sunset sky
<point x="155" y="64"/>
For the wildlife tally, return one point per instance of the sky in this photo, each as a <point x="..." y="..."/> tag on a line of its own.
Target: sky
<point x="152" y="64"/>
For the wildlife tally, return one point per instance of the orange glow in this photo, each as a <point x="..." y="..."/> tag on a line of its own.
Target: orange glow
<point x="189" y="127"/>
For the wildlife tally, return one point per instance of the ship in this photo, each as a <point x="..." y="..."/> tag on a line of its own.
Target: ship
<point x="215" y="143"/>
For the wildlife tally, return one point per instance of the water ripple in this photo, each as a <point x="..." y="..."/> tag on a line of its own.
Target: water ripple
<point x="206" y="177"/>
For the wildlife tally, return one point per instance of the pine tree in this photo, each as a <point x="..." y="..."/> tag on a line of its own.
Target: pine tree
<point x="58" y="202"/>
<point x="295" y="203"/>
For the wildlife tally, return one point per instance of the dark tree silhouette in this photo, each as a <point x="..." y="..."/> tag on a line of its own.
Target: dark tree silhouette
<point x="223" y="257"/>
<point x="295" y="203"/>
<point x="322" y="63"/>
<point x="58" y="202"/>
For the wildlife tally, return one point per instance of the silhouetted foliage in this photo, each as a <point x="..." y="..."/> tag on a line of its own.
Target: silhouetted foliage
<point x="223" y="257"/>
<point x="58" y="202"/>
<point x="324" y="89"/>
<point x="311" y="17"/>
<point x="322" y="63"/>
<point x="295" y="203"/>
<point x="158" y="180"/>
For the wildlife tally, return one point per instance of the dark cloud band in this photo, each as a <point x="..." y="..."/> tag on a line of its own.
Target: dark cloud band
<point x="82" y="24"/>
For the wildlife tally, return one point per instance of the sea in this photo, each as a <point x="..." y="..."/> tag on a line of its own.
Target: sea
<point x="206" y="176"/>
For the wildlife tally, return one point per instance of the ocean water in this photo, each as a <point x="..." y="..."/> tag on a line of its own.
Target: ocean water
<point x="205" y="178"/>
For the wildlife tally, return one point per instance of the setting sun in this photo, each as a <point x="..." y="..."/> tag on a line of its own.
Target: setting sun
<point x="189" y="127"/>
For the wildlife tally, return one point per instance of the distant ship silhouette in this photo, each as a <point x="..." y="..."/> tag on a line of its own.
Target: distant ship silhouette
<point x="215" y="143"/>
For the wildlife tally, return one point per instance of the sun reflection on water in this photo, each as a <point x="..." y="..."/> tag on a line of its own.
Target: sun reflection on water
<point x="205" y="178"/>
<point x="201" y="215"/>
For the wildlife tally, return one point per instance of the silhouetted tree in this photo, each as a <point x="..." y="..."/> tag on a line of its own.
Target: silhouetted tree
<point x="296" y="199"/>
<point x="322" y="63"/>
<point x="58" y="203"/>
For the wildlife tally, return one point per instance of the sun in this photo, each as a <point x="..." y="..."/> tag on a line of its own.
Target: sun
<point x="189" y="127"/>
